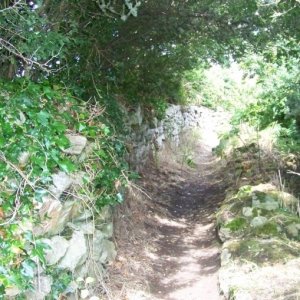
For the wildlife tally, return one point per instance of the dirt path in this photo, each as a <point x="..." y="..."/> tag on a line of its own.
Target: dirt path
<point x="185" y="258"/>
<point x="174" y="254"/>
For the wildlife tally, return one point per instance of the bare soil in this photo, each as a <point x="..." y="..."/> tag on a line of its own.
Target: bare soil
<point x="167" y="243"/>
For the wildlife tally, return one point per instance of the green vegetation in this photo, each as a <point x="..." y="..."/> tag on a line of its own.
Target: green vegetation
<point x="263" y="214"/>
<point x="66" y="66"/>
<point x="34" y="121"/>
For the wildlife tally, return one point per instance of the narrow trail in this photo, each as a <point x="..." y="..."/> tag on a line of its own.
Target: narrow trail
<point x="185" y="259"/>
<point x="171" y="250"/>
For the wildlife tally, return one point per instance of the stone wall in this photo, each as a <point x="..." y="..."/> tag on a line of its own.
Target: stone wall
<point x="145" y="136"/>
<point x="78" y="238"/>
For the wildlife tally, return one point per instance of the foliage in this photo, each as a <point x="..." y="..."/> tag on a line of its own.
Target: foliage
<point x="229" y="87"/>
<point x="278" y="100"/>
<point x="142" y="52"/>
<point x="88" y="43"/>
<point x="260" y="90"/>
<point x="34" y="119"/>
<point x="146" y="57"/>
<point x="28" y="46"/>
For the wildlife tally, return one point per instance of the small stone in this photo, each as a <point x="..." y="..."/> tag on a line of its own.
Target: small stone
<point x="61" y="182"/>
<point x="76" y="253"/>
<point x="293" y="229"/>
<point x="258" y="221"/>
<point x="12" y="291"/>
<point x="50" y="215"/>
<point x="107" y="230"/>
<point x="97" y="245"/>
<point x="247" y="211"/>
<point x="271" y="205"/>
<point x="85" y="215"/>
<point x="225" y="257"/>
<point x="242" y="295"/>
<point x="41" y="288"/>
<point x="59" y="246"/>
<point x="86" y="228"/>
<point x="78" y="143"/>
<point x="103" y="250"/>
<point x="104" y="215"/>
<point x="55" y="216"/>
<point x="78" y="178"/>
<point x="224" y="234"/>
<point x="108" y="252"/>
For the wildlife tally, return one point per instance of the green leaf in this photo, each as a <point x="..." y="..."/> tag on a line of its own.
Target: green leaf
<point x="62" y="142"/>
<point x="28" y="268"/>
<point x="59" y="127"/>
<point x="2" y="141"/>
<point x="81" y="127"/>
<point x="43" y="117"/>
<point x="67" y="166"/>
<point x="105" y="129"/>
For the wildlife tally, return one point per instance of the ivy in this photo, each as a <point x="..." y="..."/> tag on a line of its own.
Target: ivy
<point x="34" y="120"/>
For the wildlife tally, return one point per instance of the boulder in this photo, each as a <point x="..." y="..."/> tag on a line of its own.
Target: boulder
<point x="103" y="250"/>
<point x="260" y="256"/>
<point x="77" y="144"/>
<point x="61" y="182"/>
<point x="41" y="288"/>
<point x="54" y="216"/>
<point x="258" y="221"/>
<point x="76" y="253"/>
<point x="58" y="247"/>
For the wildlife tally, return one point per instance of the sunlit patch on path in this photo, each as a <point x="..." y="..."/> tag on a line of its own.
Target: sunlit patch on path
<point x="171" y="251"/>
<point x="185" y="255"/>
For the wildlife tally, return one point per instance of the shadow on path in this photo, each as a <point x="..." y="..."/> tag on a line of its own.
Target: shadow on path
<point x="185" y="258"/>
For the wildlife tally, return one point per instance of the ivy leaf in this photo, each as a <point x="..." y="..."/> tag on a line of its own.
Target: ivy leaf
<point x="2" y="141"/>
<point x="43" y="117"/>
<point x="105" y="129"/>
<point x="28" y="235"/>
<point x="28" y="268"/>
<point x="81" y="127"/>
<point x="63" y="142"/>
<point x="39" y="194"/>
<point x="48" y="92"/>
<point x="66" y="166"/>
<point x="59" y="127"/>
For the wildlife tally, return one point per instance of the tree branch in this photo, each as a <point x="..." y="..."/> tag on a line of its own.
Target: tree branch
<point x="15" y="5"/>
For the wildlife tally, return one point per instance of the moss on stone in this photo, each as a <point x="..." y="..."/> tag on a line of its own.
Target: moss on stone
<point x="262" y="251"/>
<point x="267" y="230"/>
<point x="237" y="224"/>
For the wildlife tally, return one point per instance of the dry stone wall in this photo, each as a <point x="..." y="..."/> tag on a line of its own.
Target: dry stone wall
<point x="146" y="136"/>
<point x="78" y="239"/>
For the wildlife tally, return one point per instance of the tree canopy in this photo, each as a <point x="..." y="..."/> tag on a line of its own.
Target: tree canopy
<point x="137" y="48"/>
